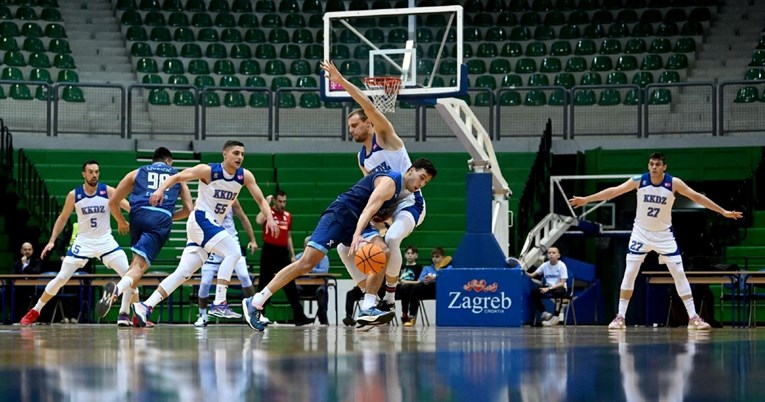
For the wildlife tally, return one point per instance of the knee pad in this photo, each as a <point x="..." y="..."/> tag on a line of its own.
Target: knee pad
<point x="350" y="264"/>
<point x="227" y="246"/>
<point x="631" y="273"/>
<point x="191" y="259"/>
<point x="204" y="285"/>
<point x="675" y="266"/>
<point x="242" y="273"/>
<point x="117" y="261"/>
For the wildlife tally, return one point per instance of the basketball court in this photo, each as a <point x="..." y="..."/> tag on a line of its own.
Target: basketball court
<point x="233" y="363"/>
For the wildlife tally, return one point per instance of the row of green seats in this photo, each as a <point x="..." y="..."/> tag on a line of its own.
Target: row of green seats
<point x="26" y="13"/>
<point x="224" y="6"/>
<point x="583" y="47"/>
<point x="223" y="66"/>
<point x="22" y="92"/>
<point x="34" y="45"/>
<point x="39" y="74"/>
<point x="32" y="29"/>
<point x="39" y="60"/>
<point x="235" y="99"/>
<point x="569" y="80"/>
<point x="586" y="97"/>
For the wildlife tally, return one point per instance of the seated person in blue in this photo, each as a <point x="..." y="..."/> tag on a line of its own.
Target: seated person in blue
<point x="316" y="291"/>
<point x="426" y="286"/>
<point x="555" y="274"/>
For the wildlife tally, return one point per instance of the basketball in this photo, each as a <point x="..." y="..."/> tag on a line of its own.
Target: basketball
<point x="370" y="259"/>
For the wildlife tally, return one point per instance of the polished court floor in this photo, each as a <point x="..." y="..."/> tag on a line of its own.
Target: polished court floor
<point x="285" y="363"/>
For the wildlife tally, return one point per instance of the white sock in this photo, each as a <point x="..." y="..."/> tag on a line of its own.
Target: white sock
<point x="125" y="283"/>
<point x="127" y="298"/>
<point x="390" y="292"/>
<point x="220" y="294"/>
<point x="260" y="298"/>
<point x="154" y="299"/>
<point x="370" y="300"/>
<point x="39" y="306"/>
<point x="623" y="304"/>
<point x="690" y="307"/>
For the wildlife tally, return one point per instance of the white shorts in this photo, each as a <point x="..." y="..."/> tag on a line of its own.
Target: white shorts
<point x="644" y="241"/>
<point x="202" y="230"/>
<point x="407" y="206"/>
<point x="85" y="248"/>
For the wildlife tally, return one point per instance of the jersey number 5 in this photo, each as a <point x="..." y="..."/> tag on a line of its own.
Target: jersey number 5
<point x="156" y="179"/>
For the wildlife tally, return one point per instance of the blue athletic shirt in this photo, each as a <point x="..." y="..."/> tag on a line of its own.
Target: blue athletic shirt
<point x="147" y="180"/>
<point x="356" y="197"/>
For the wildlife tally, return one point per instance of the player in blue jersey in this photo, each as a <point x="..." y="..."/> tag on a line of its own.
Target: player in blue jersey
<point x="652" y="231"/>
<point x="219" y="186"/>
<point x="94" y="238"/>
<point x="343" y="222"/>
<point x="149" y="225"/>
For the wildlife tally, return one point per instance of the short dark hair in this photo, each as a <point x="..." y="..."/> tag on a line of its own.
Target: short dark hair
<point x="425" y="163"/>
<point x="437" y="250"/>
<point x="413" y="248"/>
<point x="90" y="162"/>
<point x="232" y="143"/>
<point x="360" y="112"/>
<point x="658" y="156"/>
<point x="279" y="193"/>
<point x="161" y="154"/>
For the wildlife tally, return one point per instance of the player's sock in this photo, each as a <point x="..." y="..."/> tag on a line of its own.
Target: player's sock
<point x="125" y="283"/>
<point x="220" y="294"/>
<point x="390" y="292"/>
<point x="623" y="304"/>
<point x="370" y="300"/>
<point x="690" y="307"/>
<point x="154" y="299"/>
<point x="39" y="306"/>
<point x="127" y="299"/>
<point x="203" y="312"/>
<point x="260" y="298"/>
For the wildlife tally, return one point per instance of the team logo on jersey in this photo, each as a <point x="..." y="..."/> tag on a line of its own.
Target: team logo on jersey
<point x="330" y="243"/>
<point x="102" y="192"/>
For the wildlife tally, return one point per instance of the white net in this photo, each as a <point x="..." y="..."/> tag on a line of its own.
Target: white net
<point x="383" y="91"/>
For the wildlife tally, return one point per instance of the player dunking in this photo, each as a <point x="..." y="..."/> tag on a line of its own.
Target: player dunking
<point x="382" y="149"/>
<point x="94" y="238"/>
<point x="219" y="186"/>
<point x="652" y="231"/>
<point x="149" y="225"/>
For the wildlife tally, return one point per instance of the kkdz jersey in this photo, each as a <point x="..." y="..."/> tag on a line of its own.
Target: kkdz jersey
<point x="654" y="203"/>
<point x="217" y="196"/>
<point x="382" y="160"/>
<point x="93" y="212"/>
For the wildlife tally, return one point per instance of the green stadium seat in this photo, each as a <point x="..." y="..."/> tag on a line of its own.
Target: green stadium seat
<point x="669" y="76"/>
<point x="536" y="49"/>
<point x="685" y="45"/>
<point x="184" y="98"/>
<point x="140" y="49"/>
<point x="41" y="75"/>
<point x="178" y="19"/>
<point x="610" y="46"/>
<point x="499" y="66"/>
<point x="216" y="51"/>
<point x="566" y="80"/>
<point x="286" y="100"/>
<point x="754" y="74"/>
<point x="576" y="64"/>
<point x="569" y="31"/>
<point x="435" y="21"/>
<point x="32" y="30"/>
<point x="306" y="82"/>
<point x="275" y="67"/>
<point x="520" y="33"/>
<point x="602" y="17"/>
<point x="172" y="5"/>
<point x="8" y="44"/>
<point x="692" y="28"/>
<point x="195" y="5"/>
<point x="166" y="49"/>
<point x="149" y="79"/>
<point x="660" y="45"/>
<point x="510" y="98"/>
<point x="199" y="67"/>
<point x="530" y="19"/>
<point x="677" y="61"/>
<point x="271" y="21"/>
<point x="616" y="78"/>
<point x="125" y="5"/>
<point x="249" y="67"/>
<point x="230" y="35"/>
<point x="619" y="30"/>
<point x="147" y="66"/>
<point x="667" y="28"/>
<point x="601" y="63"/>
<point x="289" y="7"/>
<point x="224" y="67"/>
<point x="591" y="78"/>
<point x="310" y="100"/>
<point x="68" y="76"/>
<point x="525" y="65"/>
<point x="14" y="59"/>
<point x="312" y="7"/>
<point x="256" y="81"/>
<point x="399" y="35"/>
<point x="506" y="19"/>
<point x="19" y="92"/>
<point x="159" y="97"/>
<point x="512" y="80"/>
<point x="180" y="35"/>
<point x="248" y="21"/>
<point x="487" y="50"/>
<point x="55" y="30"/>
<point x="12" y="74"/>
<point x="642" y="78"/>
<point x="579" y="17"/>
<point x="313" y="52"/>
<point x="560" y="48"/>
<point x="204" y="81"/>
<point x="2" y="93"/>
<point x="302" y="36"/>
<point x="610" y="97"/>
<point x="584" y="97"/>
<point x="555" y="18"/>
<point x="266" y="6"/>
<point x="350" y="67"/>
<point x="626" y="63"/>
<point x="483" y="99"/>
<point x="149" y="5"/>
<point x="162" y="34"/>
<point x="201" y="20"/>
<point x="635" y="46"/>
<point x="557" y="98"/>
<point x="259" y="100"/>
<point x="191" y="51"/>
<point x="218" y="6"/>
<point x="633" y="97"/>
<point x="178" y="80"/>
<point x="207" y="35"/>
<point x="241" y="51"/>
<point x="517" y="5"/>
<point x="594" y="31"/>
<point x="39" y="60"/>
<point x="230" y="81"/>
<point x="448" y="67"/>
<point x="486" y="81"/>
<point x="9" y="29"/>
<point x="478" y="66"/>
<point x="32" y="45"/>
<point x="538" y="80"/>
<point x="210" y="99"/>
<point x="551" y="65"/>
<point x="585" y="47"/>
<point x="172" y="66"/>
<point x="265" y="51"/>
<point x="747" y="94"/>
<point x="154" y="19"/>
<point x="63" y="61"/>
<point x="660" y="96"/>
<point x="565" y="5"/>
<point x="651" y="16"/>
<point x="511" y="49"/>
<point x="544" y="32"/>
<point x="131" y="17"/>
<point x="278" y="35"/>
<point x="483" y="20"/>
<point x="627" y="16"/>
<point x="225" y="20"/>
<point x="255" y="35"/>
<point x="136" y="33"/>
<point x="642" y="30"/>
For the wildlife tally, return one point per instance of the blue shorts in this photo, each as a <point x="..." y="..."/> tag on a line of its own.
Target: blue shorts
<point x="336" y="225"/>
<point x="149" y="231"/>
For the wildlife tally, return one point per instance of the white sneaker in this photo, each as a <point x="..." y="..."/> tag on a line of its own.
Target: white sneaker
<point x="551" y="322"/>
<point x="264" y="320"/>
<point x="617" y="323"/>
<point x="201" y="321"/>
<point x="546" y="316"/>
<point x="698" y="324"/>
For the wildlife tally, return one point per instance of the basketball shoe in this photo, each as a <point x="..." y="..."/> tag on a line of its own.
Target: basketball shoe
<point x="201" y="321"/>
<point x="149" y="324"/>
<point x="252" y="315"/>
<point x="142" y="313"/>
<point x="123" y="320"/>
<point x="374" y="316"/>
<point x="698" y="324"/>
<point x="30" y="318"/>
<point x="105" y="302"/>
<point x="617" y="323"/>
<point x="223" y="310"/>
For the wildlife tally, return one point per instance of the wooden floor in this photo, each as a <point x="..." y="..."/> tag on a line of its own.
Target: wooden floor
<point x="284" y="363"/>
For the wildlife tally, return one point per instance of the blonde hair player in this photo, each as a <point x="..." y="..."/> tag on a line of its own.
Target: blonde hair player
<point x="382" y="149"/>
<point x="652" y="231"/>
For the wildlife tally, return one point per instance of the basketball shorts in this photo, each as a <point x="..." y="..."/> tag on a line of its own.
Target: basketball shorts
<point x="414" y="205"/>
<point x="149" y="231"/>
<point x="643" y="241"/>
<point x="84" y="248"/>
<point x="203" y="230"/>
<point x="336" y="225"/>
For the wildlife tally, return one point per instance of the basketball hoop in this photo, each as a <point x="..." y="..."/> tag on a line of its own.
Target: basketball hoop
<point x="383" y="91"/>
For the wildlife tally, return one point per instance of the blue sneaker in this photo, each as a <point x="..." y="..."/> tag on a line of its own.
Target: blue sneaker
<point x="252" y="315"/>
<point x="105" y="302"/>
<point x="142" y="313"/>
<point x="374" y="316"/>
<point x="223" y="310"/>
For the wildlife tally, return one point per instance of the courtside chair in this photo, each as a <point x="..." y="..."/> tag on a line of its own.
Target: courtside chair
<point x="610" y="97"/>
<point x="166" y="49"/>
<point x="224" y="67"/>
<point x="191" y="51"/>
<point x="231" y="35"/>
<point x="248" y="21"/>
<point x="602" y="17"/>
<point x="514" y="49"/>
<point x="154" y="19"/>
<point x="677" y="61"/>
<point x="560" y="48"/>
<point x="610" y="46"/>
<point x="660" y="96"/>
<point x="201" y="20"/>
<point x="178" y="19"/>
<point x="249" y="67"/>
<point x="660" y="45"/>
<point x="619" y="29"/>
<point x="63" y="61"/>
<point x="68" y="76"/>
<point x="225" y="20"/>
<point x="199" y="67"/>
<point x="536" y="49"/>
<point x="32" y="45"/>
<point x="747" y="95"/>
<point x="570" y="31"/>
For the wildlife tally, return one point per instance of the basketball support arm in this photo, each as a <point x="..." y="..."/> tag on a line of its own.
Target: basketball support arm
<point x="473" y="136"/>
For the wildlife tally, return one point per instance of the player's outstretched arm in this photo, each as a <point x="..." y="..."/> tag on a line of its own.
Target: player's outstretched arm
<point x="187" y="204"/>
<point x="265" y="209"/>
<point x="386" y="134"/>
<point x="116" y="198"/>
<point x="252" y="245"/>
<point x="63" y="217"/>
<point x="199" y="172"/>
<point x="385" y="188"/>
<point x="607" y="194"/>
<point x="703" y="200"/>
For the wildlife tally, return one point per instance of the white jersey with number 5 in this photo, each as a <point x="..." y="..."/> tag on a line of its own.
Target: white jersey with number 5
<point x="217" y="196"/>
<point x="93" y="214"/>
<point x="654" y="203"/>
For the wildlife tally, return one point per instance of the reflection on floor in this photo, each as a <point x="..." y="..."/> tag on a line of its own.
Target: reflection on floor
<point x="232" y="363"/>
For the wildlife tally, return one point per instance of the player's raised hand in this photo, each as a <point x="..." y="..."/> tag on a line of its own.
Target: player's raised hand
<point x="733" y="214"/>
<point x="577" y="202"/>
<point x="331" y="71"/>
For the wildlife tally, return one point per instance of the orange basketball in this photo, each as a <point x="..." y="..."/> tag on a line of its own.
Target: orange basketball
<point x="370" y="259"/>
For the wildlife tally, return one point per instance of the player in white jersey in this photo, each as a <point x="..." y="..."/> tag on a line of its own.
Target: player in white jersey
<point x="382" y="150"/>
<point x="210" y="267"/>
<point x="652" y="231"/>
<point x="219" y="185"/>
<point x="94" y="238"/>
